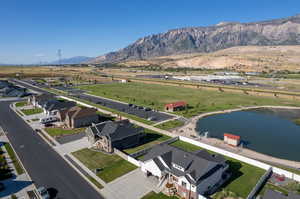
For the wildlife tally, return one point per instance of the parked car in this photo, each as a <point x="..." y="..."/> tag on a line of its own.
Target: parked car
<point x="130" y="105"/>
<point x="48" y="120"/>
<point x="148" y="109"/>
<point x="140" y="107"/>
<point x="43" y="193"/>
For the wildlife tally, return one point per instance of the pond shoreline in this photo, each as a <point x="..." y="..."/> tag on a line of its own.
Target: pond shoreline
<point x="189" y="130"/>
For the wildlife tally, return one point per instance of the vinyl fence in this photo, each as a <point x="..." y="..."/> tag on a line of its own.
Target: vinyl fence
<point x="242" y="158"/>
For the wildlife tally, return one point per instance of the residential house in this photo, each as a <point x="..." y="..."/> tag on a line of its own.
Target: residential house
<point x="13" y="91"/>
<point x="114" y="134"/>
<point x="270" y="194"/>
<point x="175" y="106"/>
<point x="52" y="107"/>
<point x="40" y="100"/>
<point x="192" y="175"/>
<point x="76" y="116"/>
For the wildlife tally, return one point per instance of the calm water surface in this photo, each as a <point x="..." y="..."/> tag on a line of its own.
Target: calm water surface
<point x="267" y="131"/>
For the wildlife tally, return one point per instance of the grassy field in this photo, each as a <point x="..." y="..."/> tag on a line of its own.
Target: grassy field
<point x="153" y="195"/>
<point x="152" y="138"/>
<point x="244" y="176"/>
<point x="54" y="132"/>
<point x="112" y="166"/>
<point x="156" y="96"/>
<point x="170" y="124"/>
<point x="32" y="111"/>
<point x="21" y="104"/>
<point x="14" y="159"/>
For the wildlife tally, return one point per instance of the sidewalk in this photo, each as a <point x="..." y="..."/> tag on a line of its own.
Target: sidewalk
<point x="18" y="184"/>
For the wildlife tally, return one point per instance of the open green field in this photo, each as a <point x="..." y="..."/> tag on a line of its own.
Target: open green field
<point x="200" y="101"/>
<point x="32" y="111"/>
<point x="170" y="124"/>
<point x="153" y="195"/>
<point x="21" y="104"/>
<point x="151" y="138"/>
<point x="112" y="166"/>
<point x="54" y="132"/>
<point x="244" y="176"/>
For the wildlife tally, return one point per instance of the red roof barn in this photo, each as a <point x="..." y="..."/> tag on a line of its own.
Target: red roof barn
<point x="175" y="106"/>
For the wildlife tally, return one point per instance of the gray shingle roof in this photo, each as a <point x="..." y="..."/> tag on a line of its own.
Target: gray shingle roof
<point x="270" y="194"/>
<point x="116" y="130"/>
<point x="198" y="165"/>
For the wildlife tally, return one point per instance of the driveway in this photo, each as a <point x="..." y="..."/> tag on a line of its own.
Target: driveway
<point x="133" y="185"/>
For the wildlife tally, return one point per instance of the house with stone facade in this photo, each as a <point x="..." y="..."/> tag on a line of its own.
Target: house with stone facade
<point x="114" y="134"/>
<point x="190" y="175"/>
<point x="76" y="116"/>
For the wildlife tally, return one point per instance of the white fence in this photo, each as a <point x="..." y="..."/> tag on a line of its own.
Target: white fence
<point x="127" y="157"/>
<point x="242" y="158"/>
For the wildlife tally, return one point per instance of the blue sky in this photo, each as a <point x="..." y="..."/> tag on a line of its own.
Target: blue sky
<point x="33" y="30"/>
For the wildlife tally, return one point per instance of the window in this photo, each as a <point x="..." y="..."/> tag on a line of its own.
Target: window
<point x="183" y="184"/>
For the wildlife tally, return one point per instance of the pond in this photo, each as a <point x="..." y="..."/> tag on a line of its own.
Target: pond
<point x="268" y="131"/>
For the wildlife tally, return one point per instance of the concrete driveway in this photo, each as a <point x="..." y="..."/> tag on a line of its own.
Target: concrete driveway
<point x="133" y="185"/>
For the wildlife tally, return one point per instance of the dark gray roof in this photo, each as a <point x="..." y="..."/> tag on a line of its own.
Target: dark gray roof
<point x="198" y="165"/>
<point x="116" y="130"/>
<point x="270" y="194"/>
<point x="51" y="105"/>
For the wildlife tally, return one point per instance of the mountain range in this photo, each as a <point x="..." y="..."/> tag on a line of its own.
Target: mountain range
<point x="73" y="60"/>
<point x="191" y="40"/>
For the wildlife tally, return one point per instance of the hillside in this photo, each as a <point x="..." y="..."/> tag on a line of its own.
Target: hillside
<point x="243" y="58"/>
<point x="277" y="32"/>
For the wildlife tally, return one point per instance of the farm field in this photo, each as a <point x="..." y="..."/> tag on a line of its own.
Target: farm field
<point x="200" y="101"/>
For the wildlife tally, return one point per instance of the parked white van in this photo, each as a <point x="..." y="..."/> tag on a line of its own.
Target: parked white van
<point x="48" y="120"/>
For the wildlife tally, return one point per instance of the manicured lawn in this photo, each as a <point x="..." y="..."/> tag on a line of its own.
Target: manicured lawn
<point x="151" y="138"/>
<point x="54" y="132"/>
<point x="200" y="101"/>
<point x="21" y="104"/>
<point x="112" y="166"/>
<point x="32" y="111"/>
<point x="170" y="124"/>
<point x="14" y="159"/>
<point x="272" y="187"/>
<point x="153" y="195"/>
<point x="244" y="176"/>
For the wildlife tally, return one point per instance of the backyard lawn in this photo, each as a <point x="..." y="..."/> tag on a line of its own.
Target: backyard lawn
<point x="111" y="166"/>
<point x="21" y="104"/>
<point x="153" y="195"/>
<point x="56" y="132"/>
<point x="156" y="96"/>
<point x="244" y="176"/>
<point x="151" y="138"/>
<point x="32" y="111"/>
<point x="170" y="124"/>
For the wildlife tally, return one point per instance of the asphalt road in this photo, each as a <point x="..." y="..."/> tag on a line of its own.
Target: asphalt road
<point x="44" y="165"/>
<point x="156" y="116"/>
